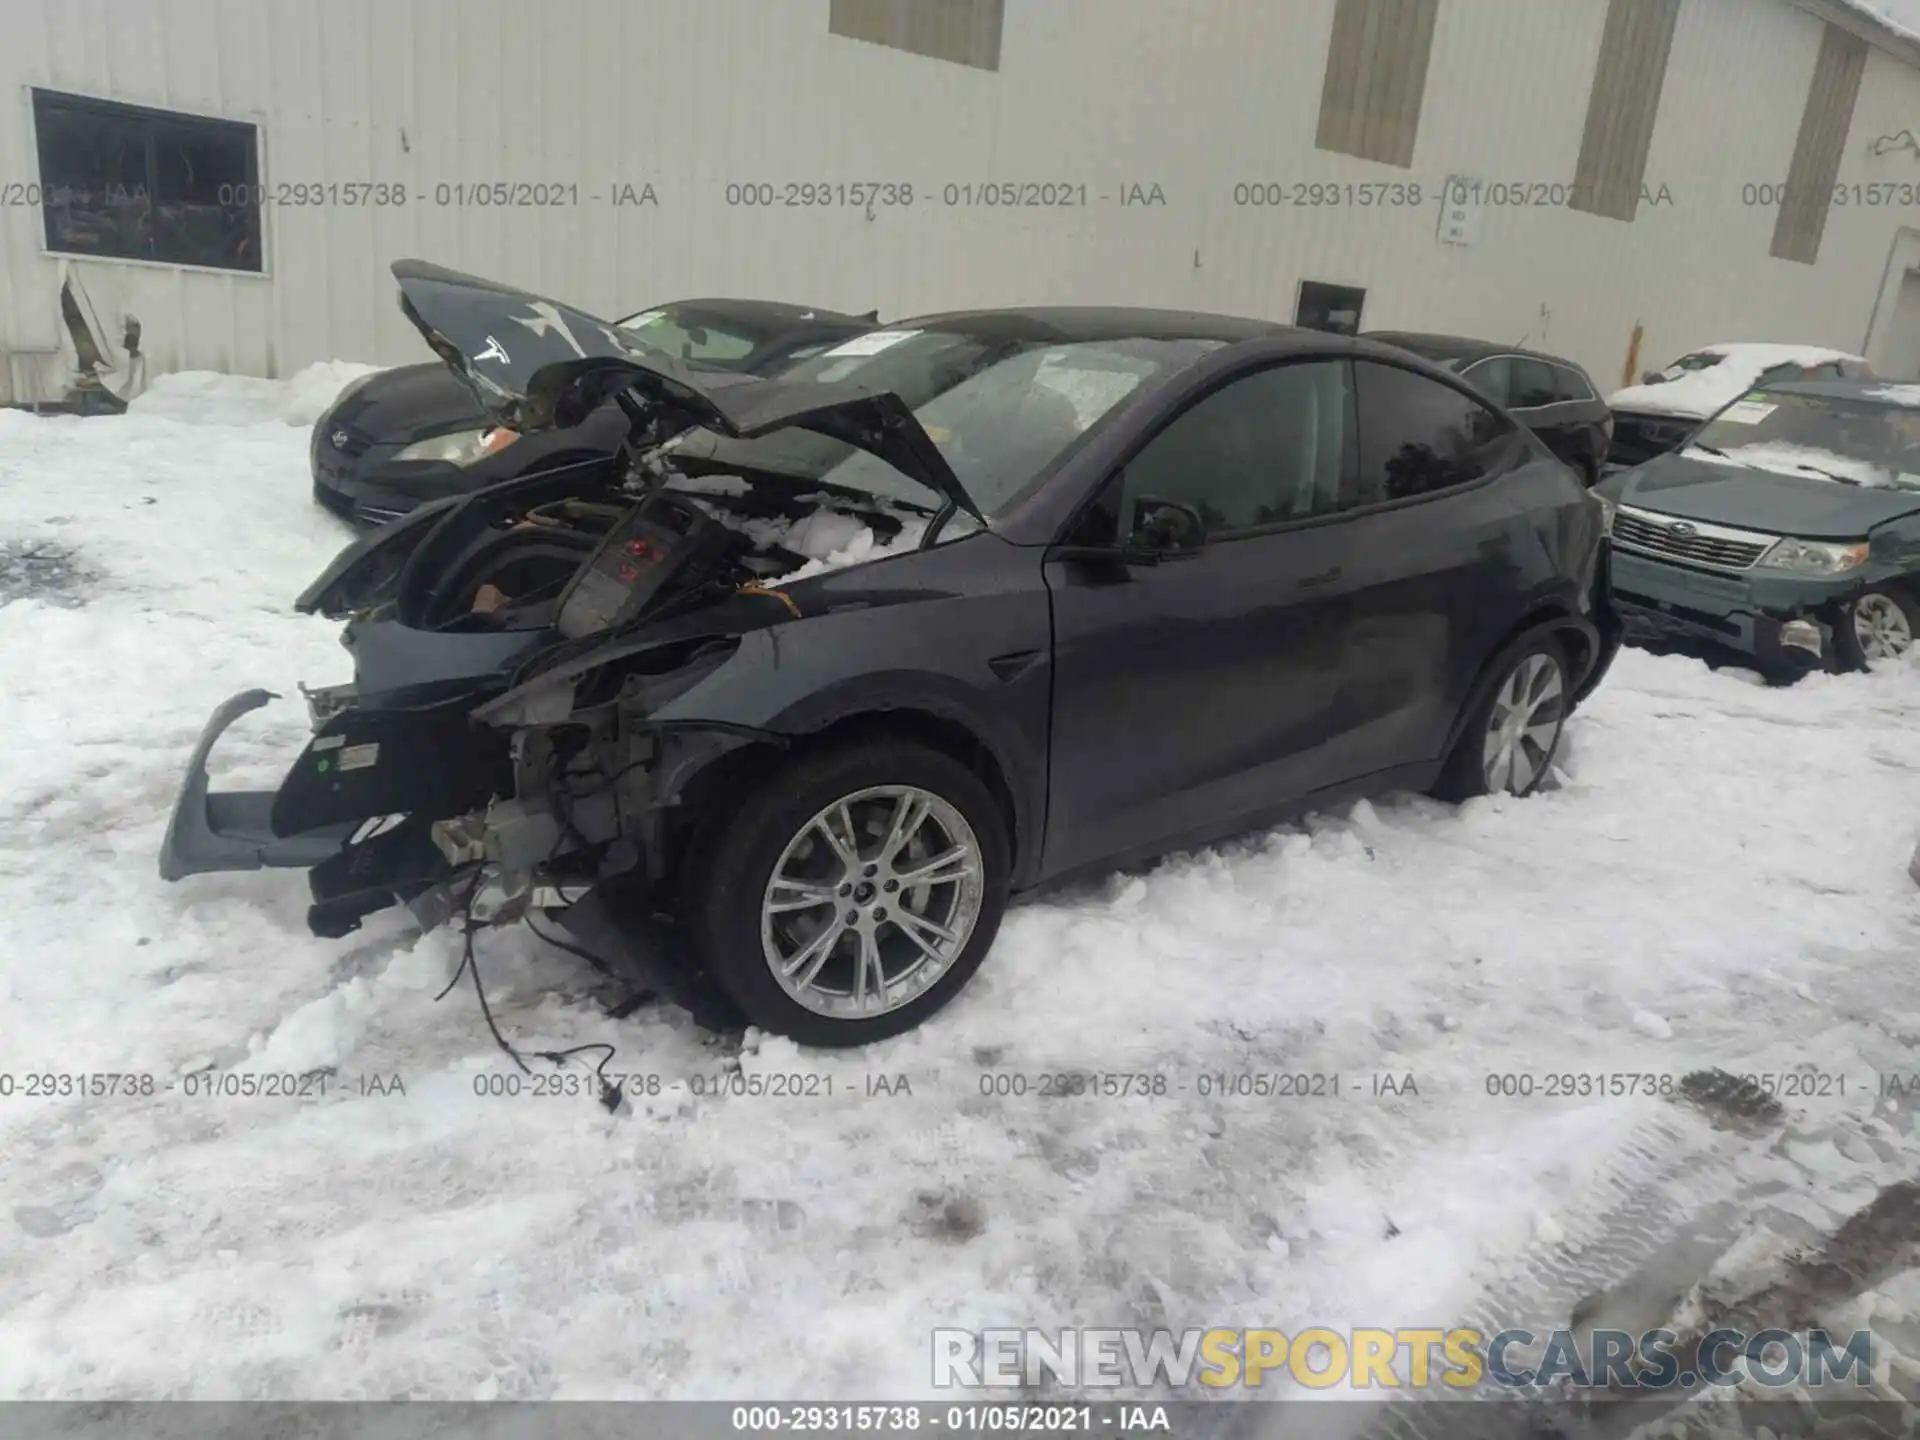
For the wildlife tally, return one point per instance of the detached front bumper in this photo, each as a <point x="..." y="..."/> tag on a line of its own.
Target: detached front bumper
<point x="232" y="829"/>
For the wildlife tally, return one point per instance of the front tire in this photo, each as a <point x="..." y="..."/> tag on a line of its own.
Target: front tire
<point x="1877" y="626"/>
<point x="854" y="893"/>
<point x="1509" y="742"/>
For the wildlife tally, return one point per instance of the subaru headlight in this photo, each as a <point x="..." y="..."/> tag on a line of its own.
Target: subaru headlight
<point x="1814" y="557"/>
<point x="463" y="447"/>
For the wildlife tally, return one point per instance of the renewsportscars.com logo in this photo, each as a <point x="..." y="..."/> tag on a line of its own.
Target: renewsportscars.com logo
<point x="1320" y="1358"/>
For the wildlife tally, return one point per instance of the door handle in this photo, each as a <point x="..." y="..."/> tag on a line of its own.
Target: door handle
<point x="1325" y="578"/>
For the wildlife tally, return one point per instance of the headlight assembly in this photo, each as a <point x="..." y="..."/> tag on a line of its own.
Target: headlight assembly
<point x="1814" y="557"/>
<point x="463" y="447"/>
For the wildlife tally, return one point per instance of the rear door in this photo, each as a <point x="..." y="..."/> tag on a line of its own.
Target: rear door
<point x="1433" y="556"/>
<point x="1196" y="691"/>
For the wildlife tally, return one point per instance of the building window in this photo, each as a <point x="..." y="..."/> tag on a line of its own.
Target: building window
<point x="1329" y="307"/>
<point x="1376" y="76"/>
<point x="1816" y="153"/>
<point x="1612" y="169"/>
<point x="128" y="183"/>
<point x="966" y="32"/>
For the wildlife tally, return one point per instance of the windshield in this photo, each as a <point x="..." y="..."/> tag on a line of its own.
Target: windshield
<point x="1857" y="441"/>
<point x="1006" y="423"/>
<point x="1700" y="360"/>
<point x="693" y="336"/>
<point x="1001" y="410"/>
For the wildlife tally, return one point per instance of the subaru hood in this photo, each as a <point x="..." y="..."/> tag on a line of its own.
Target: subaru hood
<point x="1747" y="498"/>
<point x="527" y="359"/>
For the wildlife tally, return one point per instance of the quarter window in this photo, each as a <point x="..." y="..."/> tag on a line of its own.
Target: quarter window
<point x="126" y="182"/>
<point x="1261" y="450"/>
<point x="1418" y="436"/>
<point x="1570" y="384"/>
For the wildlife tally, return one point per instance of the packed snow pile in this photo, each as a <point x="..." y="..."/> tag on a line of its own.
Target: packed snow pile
<point x="260" y="1164"/>
<point x="206" y="397"/>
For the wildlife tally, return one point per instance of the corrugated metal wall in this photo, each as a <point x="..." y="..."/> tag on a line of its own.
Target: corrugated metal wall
<point x="1109" y="94"/>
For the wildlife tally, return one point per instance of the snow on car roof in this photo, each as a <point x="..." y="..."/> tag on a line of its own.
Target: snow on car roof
<point x="1701" y="392"/>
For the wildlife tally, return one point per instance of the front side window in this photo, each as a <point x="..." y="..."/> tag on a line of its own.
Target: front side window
<point x="1418" y="436"/>
<point x="1264" y="449"/>
<point x="131" y="183"/>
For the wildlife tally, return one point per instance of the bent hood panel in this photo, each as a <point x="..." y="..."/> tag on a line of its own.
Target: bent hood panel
<point x="522" y="353"/>
<point x="1752" y="499"/>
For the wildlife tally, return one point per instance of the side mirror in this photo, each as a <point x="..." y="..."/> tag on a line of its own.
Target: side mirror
<point x="1162" y="530"/>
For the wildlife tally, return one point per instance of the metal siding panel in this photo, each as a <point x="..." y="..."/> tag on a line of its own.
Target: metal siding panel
<point x="1341" y="82"/>
<point x="1375" y="78"/>
<point x="1623" y="105"/>
<point x="1824" y="123"/>
<point x="1100" y="91"/>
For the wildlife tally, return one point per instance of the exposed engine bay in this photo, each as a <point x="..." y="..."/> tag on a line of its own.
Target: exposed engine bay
<point x="531" y="590"/>
<point x="598" y="563"/>
<point x="508" y="744"/>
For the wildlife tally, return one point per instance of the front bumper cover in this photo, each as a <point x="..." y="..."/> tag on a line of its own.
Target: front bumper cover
<point x="232" y="829"/>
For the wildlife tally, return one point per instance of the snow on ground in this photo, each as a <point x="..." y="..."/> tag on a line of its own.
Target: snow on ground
<point x="1720" y="879"/>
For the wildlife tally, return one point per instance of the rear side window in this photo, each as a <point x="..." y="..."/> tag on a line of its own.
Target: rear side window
<point x="1531" y="386"/>
<point x="1418" y="436"/>
<point x="1570" y="384"/>
<point x="1829" y="371"/>
<point x="1492" y="378"/>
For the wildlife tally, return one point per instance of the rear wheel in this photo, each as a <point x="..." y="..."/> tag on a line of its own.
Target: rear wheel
<point x="1879" y="625"/>
<point x="1509" y="742"/>
<point x="855" y="893"/>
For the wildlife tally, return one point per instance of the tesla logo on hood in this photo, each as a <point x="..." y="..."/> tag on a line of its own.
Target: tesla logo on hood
<point x="494" y="351"/>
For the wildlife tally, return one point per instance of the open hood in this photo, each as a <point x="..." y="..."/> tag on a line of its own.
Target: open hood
<point x="526" y="357"/>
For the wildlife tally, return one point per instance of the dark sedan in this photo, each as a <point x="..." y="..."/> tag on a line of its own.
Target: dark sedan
<point x="1552" y="397"/>
<point x="1139" y="581"/>
<point x="402" y="437"/>
<point x="1787" y="528"/>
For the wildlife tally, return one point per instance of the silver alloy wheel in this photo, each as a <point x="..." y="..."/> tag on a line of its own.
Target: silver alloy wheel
<point x="1881" y="627"/>
<point x="872" y="901"/>
<point x="1528" y="710"/>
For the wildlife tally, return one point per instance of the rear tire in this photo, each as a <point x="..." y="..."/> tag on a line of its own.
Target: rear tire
<point x="864" y="956"/>
<point x="1513" y="733"/>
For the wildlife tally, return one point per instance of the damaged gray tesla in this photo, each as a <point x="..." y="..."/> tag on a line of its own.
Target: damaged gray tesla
<point x="791" y="695"/>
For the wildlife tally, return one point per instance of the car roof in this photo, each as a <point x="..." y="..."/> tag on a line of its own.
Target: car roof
<point x="1883" y="391"/>
<point x="1460" y="347"/>
<point x="1068" y="324"/>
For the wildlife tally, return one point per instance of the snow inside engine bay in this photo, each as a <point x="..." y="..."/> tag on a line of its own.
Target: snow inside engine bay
<point x="830" y="538"/>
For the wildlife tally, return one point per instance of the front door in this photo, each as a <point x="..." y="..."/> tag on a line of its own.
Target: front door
<point x="1195" y="691"/>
